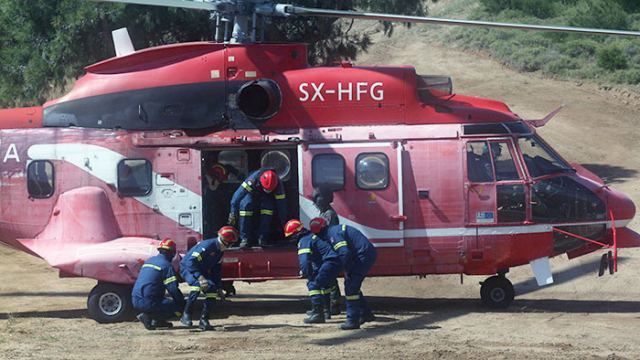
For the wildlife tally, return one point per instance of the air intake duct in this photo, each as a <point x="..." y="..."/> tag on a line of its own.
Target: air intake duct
<point x="259" y="100"/>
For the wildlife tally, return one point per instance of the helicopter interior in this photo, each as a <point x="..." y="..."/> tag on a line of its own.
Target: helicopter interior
<point x="239" y="163"/>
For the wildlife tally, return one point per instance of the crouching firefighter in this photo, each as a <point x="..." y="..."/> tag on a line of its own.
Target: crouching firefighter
<point x="155" y="276"/>
<point x="259" y="195"/>
<point x="319" y="264"/>
<point x="357" y="255"/>
<point x="201" y="269"/>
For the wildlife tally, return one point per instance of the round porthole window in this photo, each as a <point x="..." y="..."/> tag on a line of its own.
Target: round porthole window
<point x="279" y="161"/>
<point x="372" y="171"/>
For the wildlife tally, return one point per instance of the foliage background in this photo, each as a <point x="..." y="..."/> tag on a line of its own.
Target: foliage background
<point x="603" y="58"/>
<point x="45" y="44"/>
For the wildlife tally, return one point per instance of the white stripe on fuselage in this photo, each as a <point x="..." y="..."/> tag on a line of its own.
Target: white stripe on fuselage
<point x="102" y="163"/>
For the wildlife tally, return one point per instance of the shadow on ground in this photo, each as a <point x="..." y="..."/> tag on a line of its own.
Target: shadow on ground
<point x="612" y="174"/>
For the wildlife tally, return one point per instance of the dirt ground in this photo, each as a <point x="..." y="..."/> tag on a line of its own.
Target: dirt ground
<point x="581" y="316"/>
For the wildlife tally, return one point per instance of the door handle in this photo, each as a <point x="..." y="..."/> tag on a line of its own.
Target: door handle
<point x="398" y="218"/>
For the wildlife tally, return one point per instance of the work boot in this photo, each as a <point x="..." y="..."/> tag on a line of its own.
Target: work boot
<point x="316" y="316"/>
<point x="335" y="308"/>
<point x="327" y="314"/>
<point x="146" y="321"/>
<point x="367" y="317"/>
<point x="204" y="324"/>
<point x="327" y="307"/>
<point x="161" y="324"/>
<point x="186" y="320"/>
<point x="245" y="243"/>
<point x="350" y="324"/>
<point x="262" y="241"/>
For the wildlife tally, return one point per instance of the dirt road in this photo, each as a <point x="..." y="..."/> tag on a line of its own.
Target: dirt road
<point x="581" y="316"/>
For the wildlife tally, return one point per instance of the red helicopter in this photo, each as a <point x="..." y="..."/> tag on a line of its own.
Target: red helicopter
<point x="440" y="183"/>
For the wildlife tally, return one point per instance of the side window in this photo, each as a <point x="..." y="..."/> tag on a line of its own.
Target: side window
<point x="40" y="178"/>
<point x="505" y="167"/>
<point x="134" y="177"/>
<point x="328" y="170"/>
<point x="372" y="171"/>
<point x="479" y="167"/>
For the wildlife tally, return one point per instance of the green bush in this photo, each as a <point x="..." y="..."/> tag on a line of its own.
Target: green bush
<point x="539" y="8"/>
<point x="603" y="14"/>
<point x="561" y="65"/>
<point x="582" y="47"/>
<point x="612" y="58"/>
<point x="629" y="76"/>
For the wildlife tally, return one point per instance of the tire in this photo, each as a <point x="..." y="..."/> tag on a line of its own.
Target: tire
<point x="497" y="292"/>
<point x="110" y="303"/>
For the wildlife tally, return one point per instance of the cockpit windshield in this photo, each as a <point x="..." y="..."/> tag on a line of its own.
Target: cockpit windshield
<point x="539" y="158"/>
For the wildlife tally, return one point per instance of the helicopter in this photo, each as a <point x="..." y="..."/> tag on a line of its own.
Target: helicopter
<point x="441" y="183"/>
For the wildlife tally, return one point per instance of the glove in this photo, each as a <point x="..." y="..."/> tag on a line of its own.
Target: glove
<point x="221" y="295"/>
<point x="204" y="283"/>
<point x="232" y="219"/>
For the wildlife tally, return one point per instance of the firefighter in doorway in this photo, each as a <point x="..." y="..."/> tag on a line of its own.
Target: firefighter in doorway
<point x="258" y="197"/>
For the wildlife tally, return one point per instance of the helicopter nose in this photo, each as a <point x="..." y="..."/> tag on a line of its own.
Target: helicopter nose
<point x="621" y="207"/>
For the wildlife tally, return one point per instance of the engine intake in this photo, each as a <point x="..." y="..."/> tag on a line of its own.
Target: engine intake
<point x="260" y="99"/>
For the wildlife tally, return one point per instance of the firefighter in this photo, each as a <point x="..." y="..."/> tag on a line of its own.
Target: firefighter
<point x="357" y="255"/>
<point x="260" y="194"/>
<point x="201" y="269"/>
<point x="322" y="199"/>
<point x="155" y="276"/>
<point x="319" y="264"/>
<point x="215" y="198"/>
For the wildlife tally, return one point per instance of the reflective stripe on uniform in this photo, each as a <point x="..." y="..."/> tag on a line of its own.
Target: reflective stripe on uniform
<point x="339" y="245"/>
<point x="178" y="314"/>
<point x="328" y="291"/>
<point x="266" y="212"/>
<point x="315" y="292"/>
<point x="280" y="196"/>
<point x="152" y="266"/>
<point x="169" y="280"/>
<point x="197" y="255"/>
<point x="212" y="296"/>
<point x="304" y="251"/>
<point x="247" y="186"/>
<point x="246" y="213"/>
<point x="344" y="227"/>
<point x="194" y="288"/>
<point x="352" y="297"/>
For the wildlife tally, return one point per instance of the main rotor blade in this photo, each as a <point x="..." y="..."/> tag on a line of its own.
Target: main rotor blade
<point x="297" y="10"/>
<point x="169" y="3"/>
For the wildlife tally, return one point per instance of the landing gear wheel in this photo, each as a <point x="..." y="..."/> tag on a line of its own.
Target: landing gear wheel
<point x="497" y="292"/>
<point x="110" y="303"/>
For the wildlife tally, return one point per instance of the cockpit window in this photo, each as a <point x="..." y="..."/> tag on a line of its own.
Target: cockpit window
<point x="540" y="159"/>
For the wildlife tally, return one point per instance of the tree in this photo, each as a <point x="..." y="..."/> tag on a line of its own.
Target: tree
<point x="44" y="44"/>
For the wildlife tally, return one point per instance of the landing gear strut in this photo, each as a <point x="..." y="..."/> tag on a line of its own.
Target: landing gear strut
<point x="497" y="292"/>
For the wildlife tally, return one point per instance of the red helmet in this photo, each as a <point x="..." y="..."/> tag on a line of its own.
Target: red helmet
<point x="269" y="180"/>
<point x="219" y="172"/>
<point x="228" y="235"/>
<point x="317" y="224"/>
<point x="292" y="227"/>
<point x="167" y="244"/>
